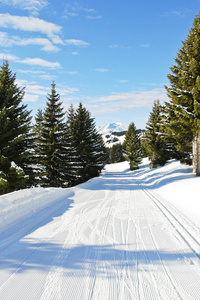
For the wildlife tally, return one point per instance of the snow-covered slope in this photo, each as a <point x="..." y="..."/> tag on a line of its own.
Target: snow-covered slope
<point x="112" y="133"/>
<point x="124" y="235"/>
<point x="111" y="127"/>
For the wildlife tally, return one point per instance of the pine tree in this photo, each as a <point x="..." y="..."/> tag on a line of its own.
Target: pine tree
<point x="132" y="147"/>
<point x="154" y="139"/>
<point x="38" y="122"/>
<point x="87" y="143"/>
<point x="37" y="130"/>
<point x="51" y="148"/>
<point x="116" y="153"/>
<point x="15" y="138"/>
<point x="184" y="94"/>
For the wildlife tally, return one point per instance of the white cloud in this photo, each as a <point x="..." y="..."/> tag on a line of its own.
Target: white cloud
<point x="16" y="40"/>
<point x="40" y="62"/>
<point x="8" y="57"/>
<point x="31" y="24"/>
<point x="45" y="43"/>
<point x="31" y="72"/>
<point x="78" y="43"/>
<point x="26" y="4"/>
<point x="71" y="9"/>
<point x="117" y="102"/>
<point x="75" y="53"/>
<point x="102" y="70"/>
<point x="31" y="61"/>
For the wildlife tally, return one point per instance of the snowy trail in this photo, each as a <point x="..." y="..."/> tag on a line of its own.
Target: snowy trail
<point x="110" y="238"/>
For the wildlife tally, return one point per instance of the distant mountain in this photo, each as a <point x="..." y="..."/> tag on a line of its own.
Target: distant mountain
<point x="111" y="127"/>
<point x="112" y="133"/>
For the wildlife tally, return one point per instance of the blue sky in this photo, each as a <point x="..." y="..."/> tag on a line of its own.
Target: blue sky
<point x="113" y="56"/>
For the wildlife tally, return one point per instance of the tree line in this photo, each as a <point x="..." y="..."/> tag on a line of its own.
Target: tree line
<point x="59" y="150"/>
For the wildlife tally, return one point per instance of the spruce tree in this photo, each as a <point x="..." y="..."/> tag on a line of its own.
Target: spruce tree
<point x="15" y="138"/>
<point x="132" y="147"/>
<point x="51" y="142"/>
<point x="38" y="122"/>
<point x="37" y="129"/>
<point x="90" y="153"/>
<point x="116" y="153"/>
<point x="184" y="94"/>
<point x="154" y="139"/>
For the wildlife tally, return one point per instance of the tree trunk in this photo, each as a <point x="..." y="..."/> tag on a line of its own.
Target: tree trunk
<point x="196" y="154"/>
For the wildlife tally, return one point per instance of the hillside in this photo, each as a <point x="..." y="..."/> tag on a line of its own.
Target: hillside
<point x="112" y="133"/>
<point x="123" y="235"/>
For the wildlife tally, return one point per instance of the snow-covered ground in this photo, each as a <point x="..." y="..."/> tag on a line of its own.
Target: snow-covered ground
<point x="124" y="235"/>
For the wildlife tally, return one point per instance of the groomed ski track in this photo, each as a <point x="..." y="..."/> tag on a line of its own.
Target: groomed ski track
<point x="109" y="238"/>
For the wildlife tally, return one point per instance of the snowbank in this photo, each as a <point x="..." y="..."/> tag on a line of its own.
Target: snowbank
<point x="23" y="203"/>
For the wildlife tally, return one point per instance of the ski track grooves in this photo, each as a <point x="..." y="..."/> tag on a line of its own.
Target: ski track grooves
<point x="111" y="243"/>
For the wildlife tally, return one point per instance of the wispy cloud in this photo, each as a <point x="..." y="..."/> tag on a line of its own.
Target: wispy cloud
<point x="117" y="102"/>
<point x="177" y="13"/>
<point x="75" y="6"/>
<point x="30" y="5"/>
<point x="146" y="45"/>
<point x="40" y="62"/>
<point x="46" y="45"/>
<point x="35" y="92"/>
<point x="94" y="17"/>
<point x="8" y="56"/>
<point x="78" y="43"/>
<point x="32" y="90"/>
<point x="102" y="70"/>
<point x="32" y="24"/>
<point x="31" y="61"/>
<point x="75" y="9"/>
<point x="116" y="46"/>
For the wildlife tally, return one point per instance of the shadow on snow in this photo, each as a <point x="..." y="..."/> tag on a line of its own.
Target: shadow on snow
<point x="139" y="179"/>
<point x="81" y="260"/>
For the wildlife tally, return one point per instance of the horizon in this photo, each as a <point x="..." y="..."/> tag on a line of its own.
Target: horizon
<point x="112" y="57"/>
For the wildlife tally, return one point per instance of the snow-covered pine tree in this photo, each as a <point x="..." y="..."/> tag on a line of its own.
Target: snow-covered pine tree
<point x="88" y="144"/>
<point x="184" y="94"/>
<point x="154" y="139"/>
<point x="15" y="137"/>
<point x="132" y="147"/>
<point x="51" y="143"/>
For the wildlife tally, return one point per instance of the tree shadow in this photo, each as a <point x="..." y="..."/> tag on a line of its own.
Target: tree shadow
<point x="139" y="179"/>
<point x="105" y="259"/>
<point x="28" y="224"/>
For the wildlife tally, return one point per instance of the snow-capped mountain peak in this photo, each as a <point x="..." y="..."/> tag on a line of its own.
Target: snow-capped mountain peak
<point x="113" y="133"/>
<point x="111" y="127"/>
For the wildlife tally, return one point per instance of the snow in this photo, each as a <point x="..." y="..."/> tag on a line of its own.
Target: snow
<point x="109" y="138"/>
<point x="124" y="235"/>
<point x="111" y="127"/>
